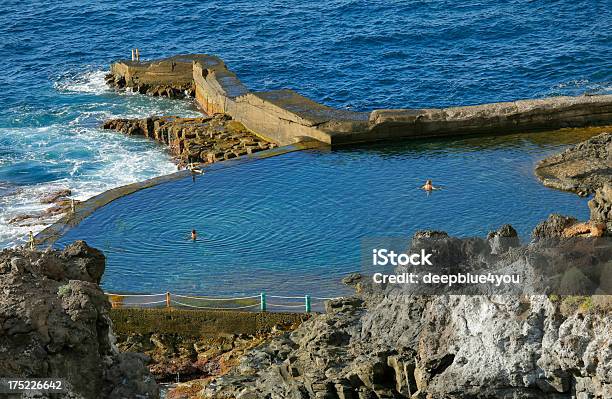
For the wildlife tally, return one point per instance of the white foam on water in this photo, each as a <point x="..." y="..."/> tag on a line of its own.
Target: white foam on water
<point x="87" y="82"/>
<point x="75" y="153"/>
<point x="91" y="161"/>
<point x="582" y="86"/>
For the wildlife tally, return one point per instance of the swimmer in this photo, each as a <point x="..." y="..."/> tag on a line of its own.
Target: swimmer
<point x="428" y="186"/>
<point x="194" y="235"/>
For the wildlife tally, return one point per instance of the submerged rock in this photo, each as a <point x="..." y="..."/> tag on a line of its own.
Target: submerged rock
<point x="54" y="322"/>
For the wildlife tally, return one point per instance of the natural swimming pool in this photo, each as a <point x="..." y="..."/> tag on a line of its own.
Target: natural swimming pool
<point x="292" y="224"/>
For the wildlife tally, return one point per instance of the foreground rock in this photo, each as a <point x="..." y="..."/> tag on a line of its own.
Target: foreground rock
<point x="54" y="322"/>
<point x="184" y="356"/>
<point x="195" y="140"/>
<point x="583" y="168"/>
<point x="387" y="343"/>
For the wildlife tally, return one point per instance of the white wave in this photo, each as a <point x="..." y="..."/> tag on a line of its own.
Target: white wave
<point x="77" y="154"/>
<point x="91" y="161"/>
<point x="88" y="82"/>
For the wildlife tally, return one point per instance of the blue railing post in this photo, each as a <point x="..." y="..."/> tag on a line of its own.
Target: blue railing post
<point x="307" y="302"/>
<point x="262" y="302"/>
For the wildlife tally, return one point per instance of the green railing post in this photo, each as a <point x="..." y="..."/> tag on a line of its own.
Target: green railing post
<point x="307" y="302"/>
<point x="262" y="302"/>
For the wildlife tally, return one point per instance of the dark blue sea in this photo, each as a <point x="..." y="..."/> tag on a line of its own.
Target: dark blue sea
<point x="347" y="54"/>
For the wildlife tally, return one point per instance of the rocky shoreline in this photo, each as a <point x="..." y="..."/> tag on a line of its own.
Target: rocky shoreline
<point x="286" y="117"/>
<point x="195" y="140"/>
<point x="54" y="322"/>
<point x="584" y="169"/>
<point x="391" y="344"/>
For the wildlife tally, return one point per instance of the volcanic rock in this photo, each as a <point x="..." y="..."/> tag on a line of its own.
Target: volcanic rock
<point x="583" y="168"/>
<point x="195" y="140"/>
<point x="54" y="322"/>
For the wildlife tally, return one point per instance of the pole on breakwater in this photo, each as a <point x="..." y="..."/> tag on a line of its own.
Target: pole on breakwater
<point x="167" y="299"/>
<point x="307" y="303"/>
<point x="262" y="302"/>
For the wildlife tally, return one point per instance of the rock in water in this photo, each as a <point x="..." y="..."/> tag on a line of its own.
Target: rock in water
<point x="54" y="322"/>
<point x="195" y="140"/>
<point x="583" y="168"/>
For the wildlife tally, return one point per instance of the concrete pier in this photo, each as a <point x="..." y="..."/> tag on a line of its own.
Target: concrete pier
<point x="286" y="117"/>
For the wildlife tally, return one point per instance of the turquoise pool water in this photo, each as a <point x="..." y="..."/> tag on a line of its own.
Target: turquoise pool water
<point x="292" y="224"/>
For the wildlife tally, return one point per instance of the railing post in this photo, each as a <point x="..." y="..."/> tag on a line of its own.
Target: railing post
<point x="167" y="299"/>
<point x="262" y="302"/>
<point x="307" y="302"/>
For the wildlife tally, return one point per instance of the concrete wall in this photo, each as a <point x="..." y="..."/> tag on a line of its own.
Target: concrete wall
<point x="199" y="322"/>
<point x="171" y="71"/>
<point x="286" y="117"/>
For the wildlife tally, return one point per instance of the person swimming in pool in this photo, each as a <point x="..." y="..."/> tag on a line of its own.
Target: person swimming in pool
<point x="428" y="186"/>
<point x="194" y="235"/>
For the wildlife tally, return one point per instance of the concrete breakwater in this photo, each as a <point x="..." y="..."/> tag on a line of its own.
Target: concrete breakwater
<point x="199" y="140"/>
<point x="284" y="116"/>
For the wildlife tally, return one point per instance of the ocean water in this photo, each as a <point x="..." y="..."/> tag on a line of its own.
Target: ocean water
<point x="349" y="54"/>
<point x="293" y="224"/>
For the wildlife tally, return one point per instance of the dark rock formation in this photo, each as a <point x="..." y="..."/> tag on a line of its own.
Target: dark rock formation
<point x="54" y="322"/>
<point x="390" y="344"/>
<point x="553" y="227"/>
<point x="177" y="356"/>
<point x="601" y="205"/>
<point x="173" y="90"/>
<point x="503" y="239"/>
<point x="195" y="140"/>
<point x="583" y="168"/>
<point x="53" y="197"/>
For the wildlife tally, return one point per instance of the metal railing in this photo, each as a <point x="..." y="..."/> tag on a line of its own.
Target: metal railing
<point x="261" y="302"/>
